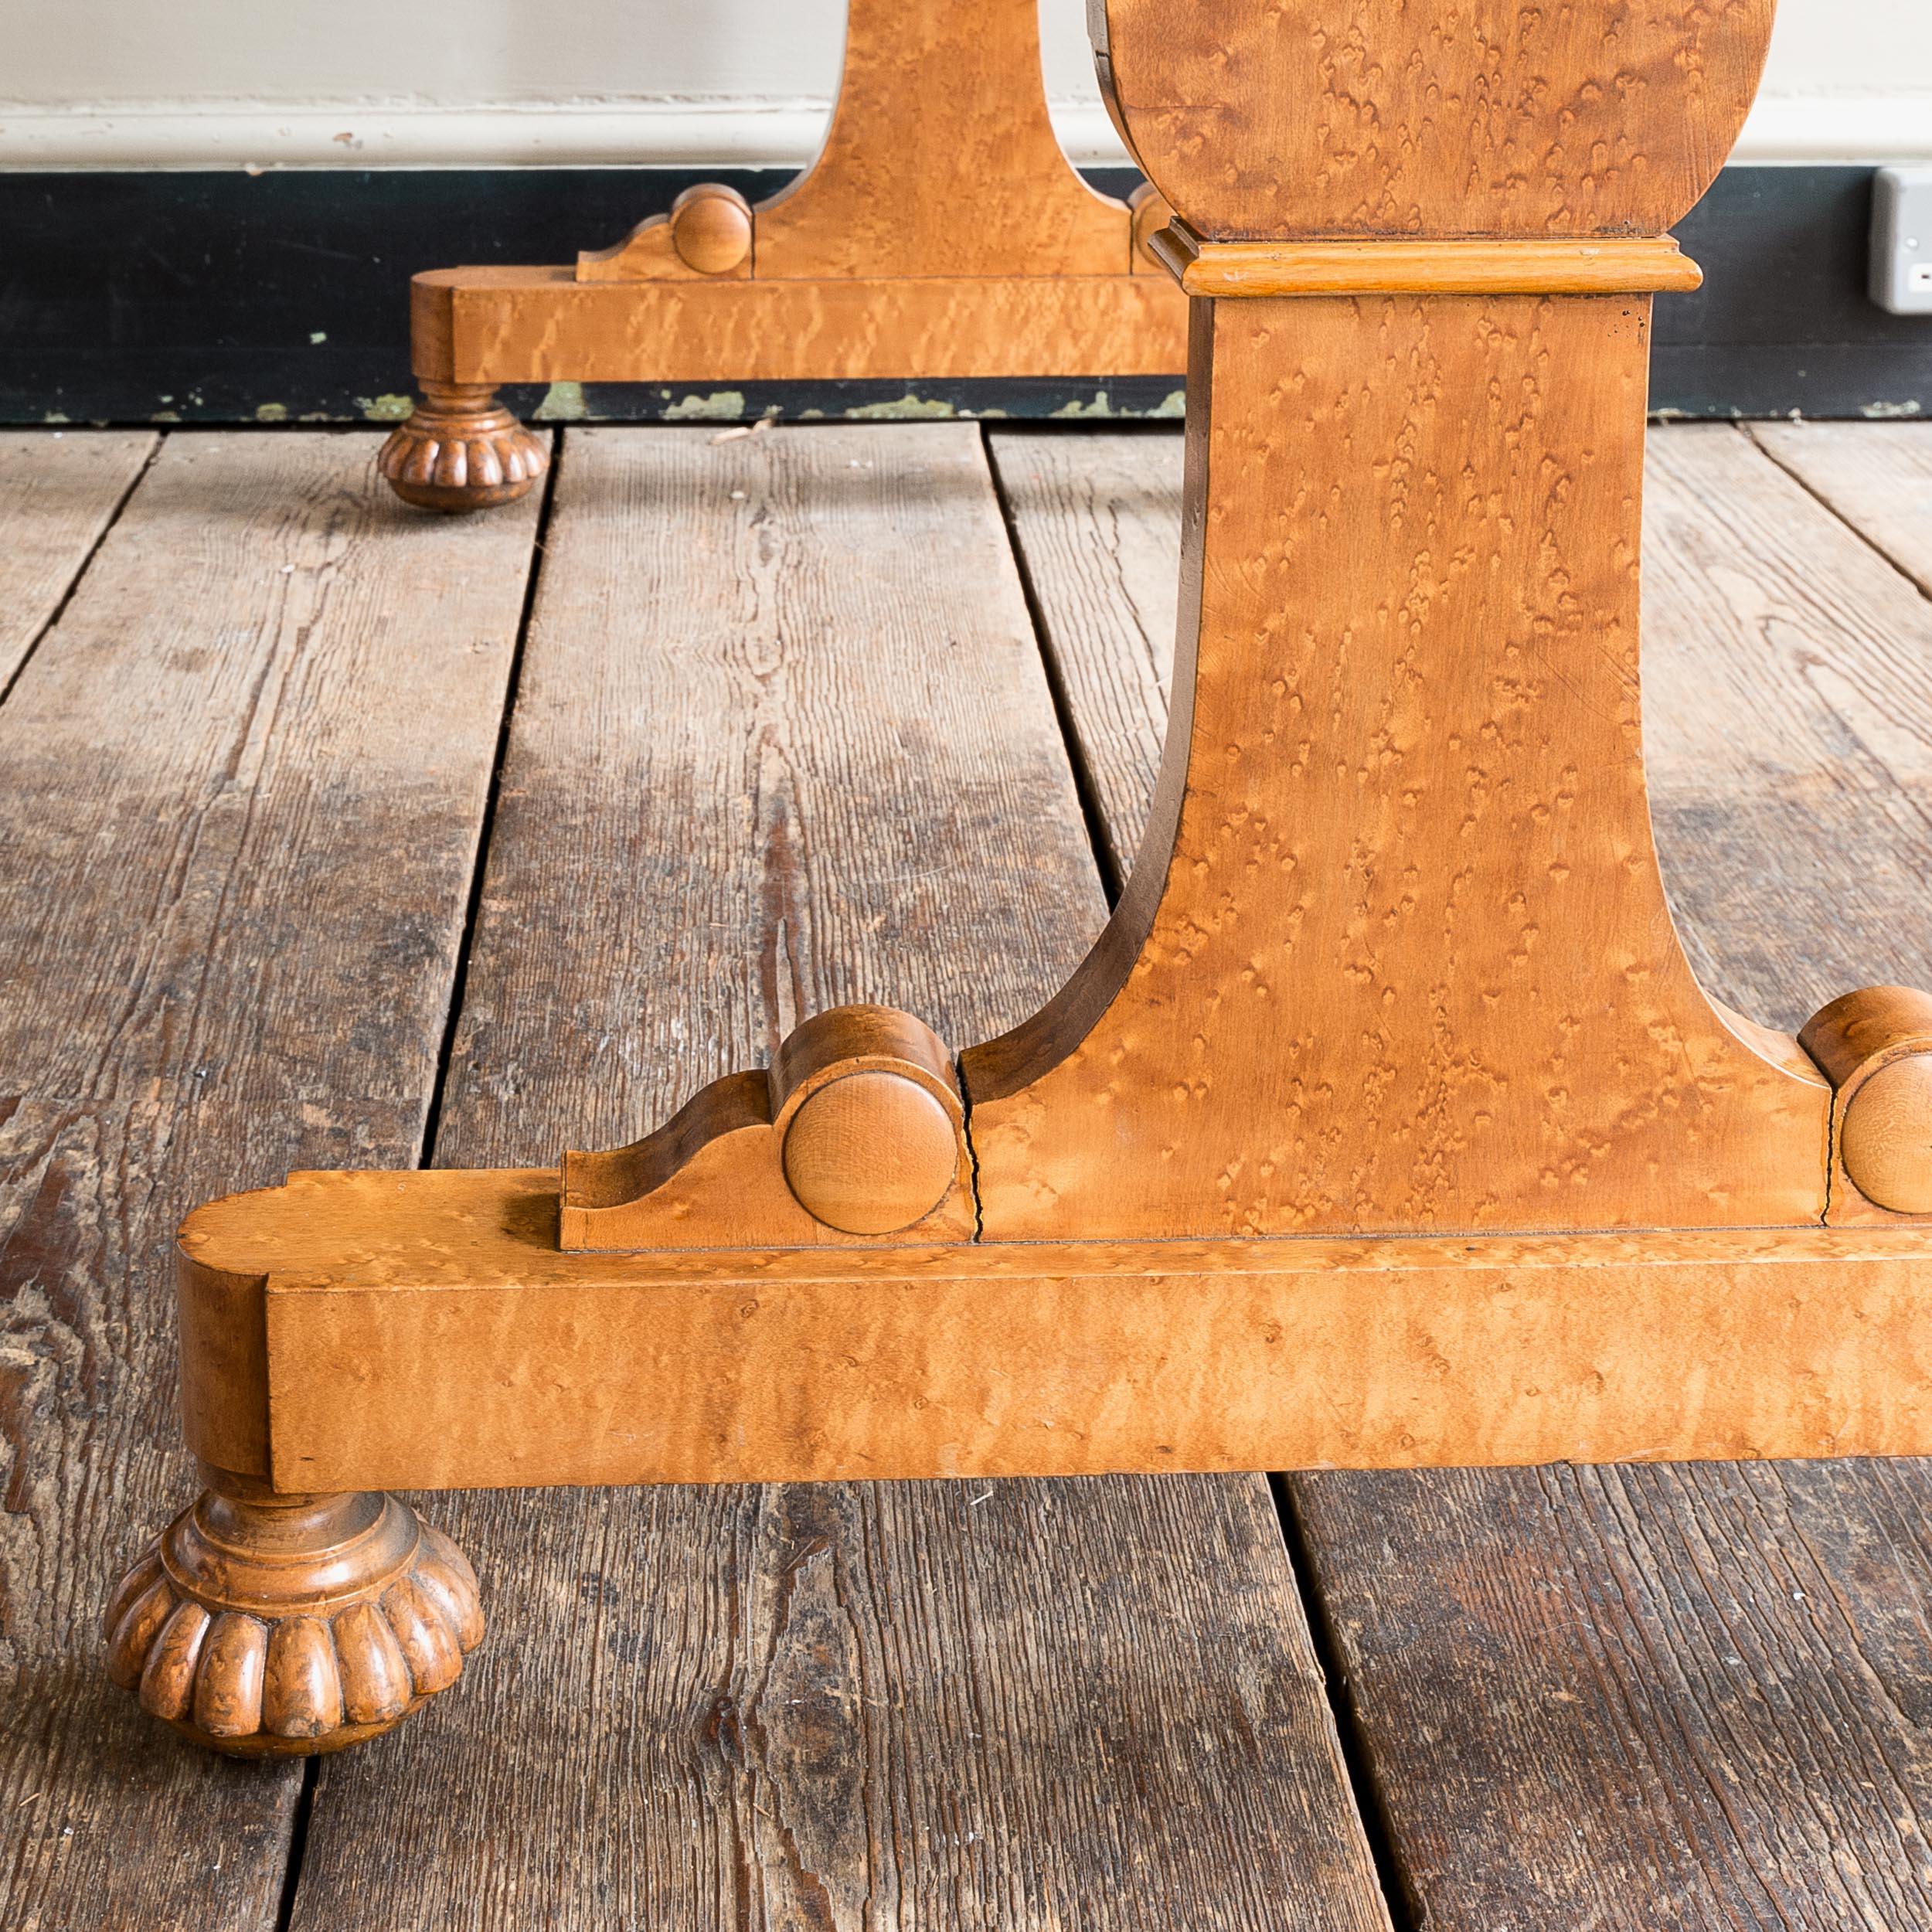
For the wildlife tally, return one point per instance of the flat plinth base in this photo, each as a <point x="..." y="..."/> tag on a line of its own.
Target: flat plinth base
<point x="422" y="1331"/>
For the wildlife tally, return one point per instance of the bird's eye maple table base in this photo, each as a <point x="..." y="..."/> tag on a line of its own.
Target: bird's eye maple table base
<point x="1386" y="1125"/>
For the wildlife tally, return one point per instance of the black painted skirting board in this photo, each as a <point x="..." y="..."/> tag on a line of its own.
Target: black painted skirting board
<point x="223" y="298"/>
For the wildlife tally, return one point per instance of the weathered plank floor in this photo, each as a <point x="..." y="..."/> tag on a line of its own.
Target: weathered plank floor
<point x="329" y="833"/>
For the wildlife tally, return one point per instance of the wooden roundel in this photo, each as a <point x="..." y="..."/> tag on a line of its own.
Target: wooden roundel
<point x="871" y="1153"/>
<point x="711" y="228"/>
<point x="1885" y="1141"/>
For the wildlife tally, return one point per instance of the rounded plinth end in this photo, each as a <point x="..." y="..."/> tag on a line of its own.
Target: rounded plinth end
<point x="461" y="449"/>
<point x="294" y="1625"/>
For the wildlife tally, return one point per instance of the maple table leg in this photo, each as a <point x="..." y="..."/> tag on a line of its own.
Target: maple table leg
<point x="1386" y="1125"/>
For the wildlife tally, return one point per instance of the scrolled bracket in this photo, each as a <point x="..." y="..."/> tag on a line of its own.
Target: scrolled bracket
<point x="857" y="1133"/>
<point x="706" y="235"/>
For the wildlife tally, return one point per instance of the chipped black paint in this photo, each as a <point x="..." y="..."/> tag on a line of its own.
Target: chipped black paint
<point x="281" y="297"/>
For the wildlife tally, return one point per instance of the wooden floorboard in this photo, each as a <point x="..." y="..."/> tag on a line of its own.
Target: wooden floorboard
<point x="1649" y="1699"/>
<point x="1877" y="476"/>
<point x="784" y="740"/>
<point x="1100" y="516"/>
<point x="244" y="777"/>
<point x="58" y="492"/>
<point x="1788" y="689"/>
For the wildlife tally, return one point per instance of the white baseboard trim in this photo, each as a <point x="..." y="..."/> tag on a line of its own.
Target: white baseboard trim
<point x="1817" y="128"/>
<point x="707" y="133"/>
<point x="697" y="134"/>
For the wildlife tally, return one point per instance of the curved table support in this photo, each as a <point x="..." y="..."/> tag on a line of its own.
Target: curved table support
<point x="1386" y="1124"/>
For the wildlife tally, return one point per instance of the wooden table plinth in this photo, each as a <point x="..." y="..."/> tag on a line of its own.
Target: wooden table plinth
<point x="423" y="1331"/>
<point x="1387" y="1122"/>
<point x="490" y="326"/>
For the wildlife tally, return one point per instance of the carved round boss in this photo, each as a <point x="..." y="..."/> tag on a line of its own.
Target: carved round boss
<point x="711" y="228"/>
<point x="1886" y="1139"/>
<point x="870" y="1153"/>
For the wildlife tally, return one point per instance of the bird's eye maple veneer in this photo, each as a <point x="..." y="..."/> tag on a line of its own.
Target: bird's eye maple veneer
<point x="1386" y="1124"/>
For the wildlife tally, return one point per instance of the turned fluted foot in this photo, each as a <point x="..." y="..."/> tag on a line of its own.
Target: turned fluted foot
<point x="461" y="449"/>
<point x="275" y="1626"/>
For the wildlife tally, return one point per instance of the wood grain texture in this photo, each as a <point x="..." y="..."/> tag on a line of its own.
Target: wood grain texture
<point x="207" y="977"/>
<point x="856" y="1130"/>
<point x="705" y="232"/>
<point x="772" y="665"/>
<point x="1887" y="1136"/>
<point x="711" y="230"/>
<point x="1877" y="476"/>
<point x="490" y="326"/>
<point x="1683" y="1697"/>
<point x="1647" y="264"/>
<point x="1508" y="779"/>
<point x="940" y="232"/>
<point x="266" y="589"/>
<point x="940" y="159"/>
<point x="1481" y="117"/>
<point x="1788" y="722"/>
<point x="1862" y="1029"/>
<point x="1098" y="520"/>
<point x="424" y="1330"/>
<point x="1744" y="1705"/>
<point x="1674" y="1697"/>
<point x="1874" y="1046"/>
<point x="758" y="768"/>
<point x="1084" y="1359"/>
<point x="1766" y="754"/>
<point x="58" y="491"/>
<point x="1395" y="956"/>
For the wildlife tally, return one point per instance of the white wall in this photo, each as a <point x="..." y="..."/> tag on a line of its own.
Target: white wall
<point x="270" y="82"/>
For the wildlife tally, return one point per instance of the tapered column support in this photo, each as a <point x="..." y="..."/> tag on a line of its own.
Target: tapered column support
<point x="941" y="160"/>
<point x="1396" y="955"/>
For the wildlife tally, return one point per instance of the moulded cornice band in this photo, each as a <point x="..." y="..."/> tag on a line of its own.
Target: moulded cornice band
<point x="1620" y="266"/>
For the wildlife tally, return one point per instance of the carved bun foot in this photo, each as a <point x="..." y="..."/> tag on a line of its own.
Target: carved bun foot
<point x="291" y="1625"/>
<point x="461" y="449"/>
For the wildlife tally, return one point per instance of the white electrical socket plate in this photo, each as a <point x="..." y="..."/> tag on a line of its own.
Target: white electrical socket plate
<point x="1902" y="240"/>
